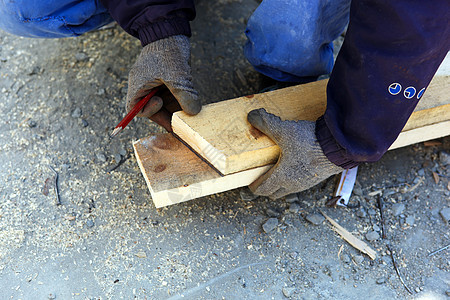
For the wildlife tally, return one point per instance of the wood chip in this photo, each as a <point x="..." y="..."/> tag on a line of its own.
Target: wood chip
<point x="374" y="193"/>
<point x="415" y="186"/>
<point x="436" y="177"/>
<point x="46" y="188"/>
<point x="70" y="218"/>
<point x="351" y="239"/>
<point x="141" y="254"/>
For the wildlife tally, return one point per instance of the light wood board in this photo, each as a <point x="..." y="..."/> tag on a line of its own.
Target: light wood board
<point x="175" y="174"/>
<point x="223" y="136"/>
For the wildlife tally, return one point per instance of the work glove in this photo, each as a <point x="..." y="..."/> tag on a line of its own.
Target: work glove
<point x="164" y="63"/>
<point x="301" y="164"/>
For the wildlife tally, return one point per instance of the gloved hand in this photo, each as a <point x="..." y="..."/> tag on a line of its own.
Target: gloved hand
<point x="163" y="62"/>
<point x="301" y="164"/>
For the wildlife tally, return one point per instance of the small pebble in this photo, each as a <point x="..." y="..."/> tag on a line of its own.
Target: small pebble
<point x="417" y="289"/>
<point x="345" y="258"/>
<point x="445" y="214"/>
<point x="444" y="158"/>
<point x="273" y="212"/>
<point x="84" y="123"/>
<point x="288" y="292"/>
<point x="124" y="153"/>
<point x="76" y="113"/>
<point x="292" y="198"/>
<point x="51" y="296"/>
<point x="81" y="56"/>
<point x="247" y="195"/>
<point x="447" y="292"/>
<point x="117" y="158"/>
<point x="421" y="172"/>
<point x="358" y="259"/>
<point x="90" y="223"/>
<point x="315" y="219"/>
<point x="375" y="227"/>
<point x="270" y="225"/>
<point x="361" y="213"/>
<point x="381" y="280"/>
<point x="35" y="70"/>
<point x="294" y="208"/>
<point x="410" y="220"/>
<point x="372" y="236"/>
<point x="101" y="157"/>
<point x="397" y="209"/>
<point x="31" y="123"/>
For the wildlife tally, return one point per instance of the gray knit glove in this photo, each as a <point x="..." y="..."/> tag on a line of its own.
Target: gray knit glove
<point x="301" y="164"/>
<point x="164" y="62"/>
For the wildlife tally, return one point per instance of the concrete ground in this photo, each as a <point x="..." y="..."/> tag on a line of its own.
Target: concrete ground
<point x="59" y="101"/>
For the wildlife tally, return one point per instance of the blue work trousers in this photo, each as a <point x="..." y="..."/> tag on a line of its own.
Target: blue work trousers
<point x="287" y="39"/>
<point x="291" y="39"/>
<point x="52" y="18"/>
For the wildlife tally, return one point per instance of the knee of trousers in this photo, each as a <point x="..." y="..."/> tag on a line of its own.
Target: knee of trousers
<point x="52" y="18"/>
<point x="292" y="39"/>
<point x="287" y="53"/>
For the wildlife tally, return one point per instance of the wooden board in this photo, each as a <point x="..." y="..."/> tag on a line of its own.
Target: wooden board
<point x="174" y="174"/>
<point x="222" y="135"/>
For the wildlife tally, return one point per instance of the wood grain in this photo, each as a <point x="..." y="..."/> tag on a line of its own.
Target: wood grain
<point x="175" y="174"/>
<point x="223" y="136"/>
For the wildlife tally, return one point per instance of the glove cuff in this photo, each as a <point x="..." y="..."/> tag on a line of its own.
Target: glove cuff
<point x="331" y="149"/>
<point x="169" y="45"/>
<point x="322" y="162"/>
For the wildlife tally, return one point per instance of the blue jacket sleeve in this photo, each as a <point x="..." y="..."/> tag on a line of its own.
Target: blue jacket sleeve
<point x="391" y="51"/>
<point x="151" y="20"/>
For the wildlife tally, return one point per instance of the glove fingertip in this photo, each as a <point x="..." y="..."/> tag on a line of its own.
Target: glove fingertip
<point x="255" y="118"/>
<point x="193" y="108"/>
<point x="189" y="102"/>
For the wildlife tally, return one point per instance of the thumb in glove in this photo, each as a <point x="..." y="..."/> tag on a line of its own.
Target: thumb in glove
<point x="164" y="63"/>
<point x="301" y="164"/>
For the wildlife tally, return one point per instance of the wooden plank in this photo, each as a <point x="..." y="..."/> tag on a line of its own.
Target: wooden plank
<point x="222" y="135"/>
<point x="421" y="134"/>
<point x="174" y="174"/>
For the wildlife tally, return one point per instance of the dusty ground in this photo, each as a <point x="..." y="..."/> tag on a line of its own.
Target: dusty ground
<point x="60" y="98"/>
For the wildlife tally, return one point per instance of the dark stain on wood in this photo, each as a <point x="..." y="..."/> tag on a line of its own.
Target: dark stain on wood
<point x="165" y="142"/>
<point x="249" y="96"/>
<point x="256" y="133"/>
<point x="160" y="168"/>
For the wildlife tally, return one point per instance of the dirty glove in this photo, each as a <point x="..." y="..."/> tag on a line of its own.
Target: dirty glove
<point x="163" y="62"/>
<point x="301" y="164"/>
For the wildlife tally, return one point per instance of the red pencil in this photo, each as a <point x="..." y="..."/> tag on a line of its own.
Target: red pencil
<point x="130" y="116"/>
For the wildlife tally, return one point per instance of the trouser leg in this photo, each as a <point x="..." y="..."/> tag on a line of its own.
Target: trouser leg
<point x="290" y="39"/>
<point x="52" y="18"/>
